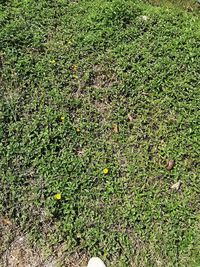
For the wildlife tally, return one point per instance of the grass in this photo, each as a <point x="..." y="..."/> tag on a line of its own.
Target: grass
<point x="189" y="5"/>
<point x="88" y="85"/>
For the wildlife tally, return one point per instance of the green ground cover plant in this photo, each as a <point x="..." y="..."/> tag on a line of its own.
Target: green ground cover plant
<point x="99" y="128"/>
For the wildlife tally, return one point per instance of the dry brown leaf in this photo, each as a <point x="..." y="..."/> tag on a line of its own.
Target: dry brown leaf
<point x="6" y="221"/>
<point x="115" y="128"/>
<point x="130" y="117"/>
<point x="176" y="186"/>
<point x="170" y="164"/>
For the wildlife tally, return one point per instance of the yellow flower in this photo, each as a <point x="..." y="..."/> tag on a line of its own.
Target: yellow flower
<point x="105" y="171"/>
<point x="57" y="196"/>
<point x="62" y="118"/>
<point x="78" y="130"/>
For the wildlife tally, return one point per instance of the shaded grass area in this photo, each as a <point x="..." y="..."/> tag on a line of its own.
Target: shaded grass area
<point x="189" y="5"/>
<point x="89" y="85"/>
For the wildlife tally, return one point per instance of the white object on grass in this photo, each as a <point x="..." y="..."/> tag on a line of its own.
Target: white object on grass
<point x="145" y="18"/>
<point x="96" y="262"/>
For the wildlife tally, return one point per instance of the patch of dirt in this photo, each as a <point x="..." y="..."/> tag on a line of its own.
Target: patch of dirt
<point x="104" y="109"/>
<point x="103" y="78"/>
<point x="74" y="260"/>
<point x="98" y="78"/>
<point x="17" y="252"/>
<point x="20" y="254"/>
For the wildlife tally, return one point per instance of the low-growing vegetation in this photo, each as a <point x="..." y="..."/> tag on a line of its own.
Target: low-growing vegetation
<point x="99" y="128"/>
